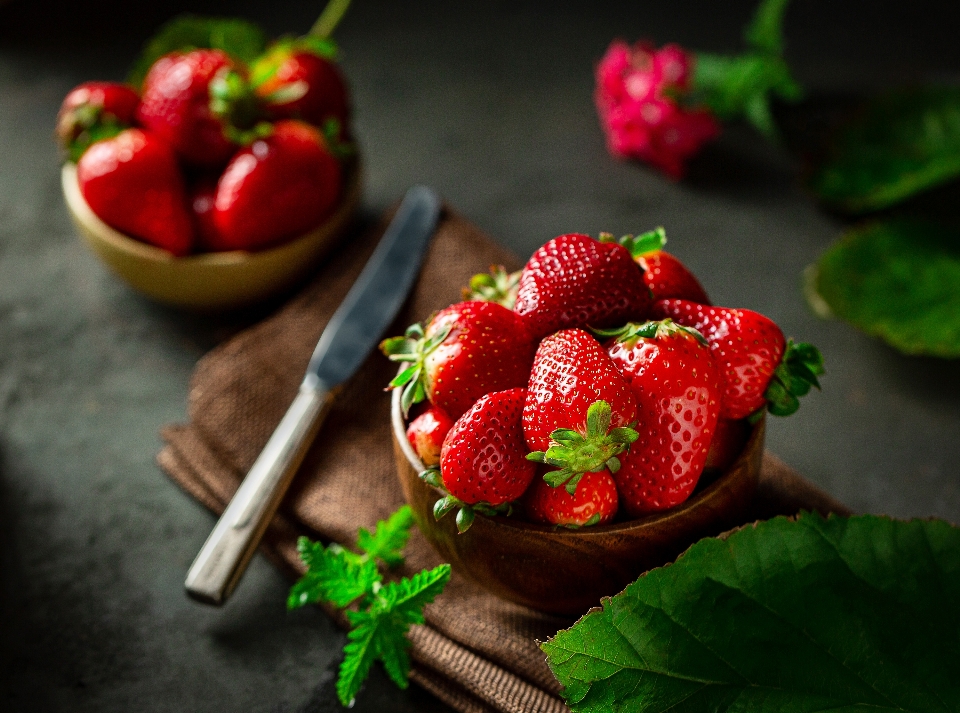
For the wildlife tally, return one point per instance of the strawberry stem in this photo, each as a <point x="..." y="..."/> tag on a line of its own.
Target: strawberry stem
<point x="575" y="453"/>
<point x="329" y="19"/>
<point x="639" y="245"/>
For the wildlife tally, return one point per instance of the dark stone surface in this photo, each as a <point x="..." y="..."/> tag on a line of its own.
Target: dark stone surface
<point x="491" y="104"/>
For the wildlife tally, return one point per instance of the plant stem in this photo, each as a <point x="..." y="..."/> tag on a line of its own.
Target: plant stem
<point x="329" y="18"/>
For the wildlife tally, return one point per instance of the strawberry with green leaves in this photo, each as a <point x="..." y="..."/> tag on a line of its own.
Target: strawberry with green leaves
<point x="278" y="187"/>
<point x="663" y="273"/>
<point x="576" y="281"/>
<point x="133" y="183"/>
<point x="760" y="370"/>
<point x="94" y="111"/>
<point x="483" y="464"/>
<point x="195" y="100"/>
<point x="466" y="350"/>
<point x="673" y="377"/>
<point x="426" y="434"/>
<point x="593" y="502"/>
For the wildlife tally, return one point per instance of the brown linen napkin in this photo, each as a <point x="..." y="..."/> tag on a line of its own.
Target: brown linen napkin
<point x="475" y="652"/>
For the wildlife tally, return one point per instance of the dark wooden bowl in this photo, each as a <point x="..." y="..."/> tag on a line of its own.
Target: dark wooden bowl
<point x="567" y="571"/>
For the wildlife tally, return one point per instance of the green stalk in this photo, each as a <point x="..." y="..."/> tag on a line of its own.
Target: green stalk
<point x="329" y="19"/>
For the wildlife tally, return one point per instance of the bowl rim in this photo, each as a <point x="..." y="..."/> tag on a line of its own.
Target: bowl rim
<point x="122" y="242"/>
<point x="400" y="437"/>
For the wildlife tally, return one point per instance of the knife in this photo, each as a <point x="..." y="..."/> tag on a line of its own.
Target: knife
<point x="369" y="307"/>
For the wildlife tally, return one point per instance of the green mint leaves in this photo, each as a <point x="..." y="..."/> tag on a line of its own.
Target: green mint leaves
<point x="903" y="143"/>
<point x="898" y="280"/>
<point x="809" y="614"/>
<point x="742" y="85"/>
<point x="238" y="38"/>
<point x="383" y="613"/>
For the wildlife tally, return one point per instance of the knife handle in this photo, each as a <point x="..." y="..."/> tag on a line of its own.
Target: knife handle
<point x="224" y="556"/>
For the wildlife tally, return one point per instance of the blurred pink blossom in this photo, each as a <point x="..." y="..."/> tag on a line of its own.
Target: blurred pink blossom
<point x="637" y="97"/>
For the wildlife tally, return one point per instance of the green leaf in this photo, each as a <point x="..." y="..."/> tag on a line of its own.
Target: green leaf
<point x="241" y="39"/>
<point x="333" y="575"/>
<point x="903" y="143"/>
<point x="765" y="31"/>
<point x="839" y="614"/>
<point x="389" y="538"/>
<point x="898" y="280"/>
<point x="380" y="632"/>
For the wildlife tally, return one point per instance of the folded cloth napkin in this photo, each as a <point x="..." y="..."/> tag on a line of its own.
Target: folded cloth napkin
<point x="475" y="652"/>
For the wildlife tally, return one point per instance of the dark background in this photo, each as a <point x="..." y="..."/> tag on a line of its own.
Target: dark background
<point x="491" y="104"/>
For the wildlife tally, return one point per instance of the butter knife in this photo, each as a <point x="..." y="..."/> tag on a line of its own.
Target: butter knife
<point x="353" y="331"/>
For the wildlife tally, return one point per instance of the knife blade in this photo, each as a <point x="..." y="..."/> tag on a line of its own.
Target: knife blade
<point x="351" y="334"/>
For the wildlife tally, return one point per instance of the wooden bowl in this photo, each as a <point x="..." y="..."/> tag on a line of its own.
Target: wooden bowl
<point x="566" y="571"/>
<point x="209" y="281"/>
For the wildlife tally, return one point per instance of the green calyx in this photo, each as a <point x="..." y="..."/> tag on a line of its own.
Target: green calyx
<point x="497" y="286"/>
<point x="742" y="85"/>
<point x="333" y="134"/>
<point x="466" y="512"/>
<point x="106" y="128"/>
<point x="575" y="453"/>
<point x="639" y="245"/>
<point x="233" y="100"/>
<point x="802" y="363"/>
<point x="412" y="349"/>
<point x="630" y="333"/>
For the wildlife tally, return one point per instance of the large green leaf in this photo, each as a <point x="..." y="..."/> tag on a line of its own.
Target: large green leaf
<point x="838" y="614"/>
<point x="902" y="144"/>
<point x="241" y="39"/>
<point x="898" y="280"/>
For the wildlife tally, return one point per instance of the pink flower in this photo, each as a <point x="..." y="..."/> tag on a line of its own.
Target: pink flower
<point x="638" y="96"/>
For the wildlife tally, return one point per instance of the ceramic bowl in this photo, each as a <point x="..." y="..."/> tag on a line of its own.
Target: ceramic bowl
<point x="565" y="571"/>
<point x="209" y="281"/>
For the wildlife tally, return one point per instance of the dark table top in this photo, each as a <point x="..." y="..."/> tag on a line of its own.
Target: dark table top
<point x="491" y="104"/>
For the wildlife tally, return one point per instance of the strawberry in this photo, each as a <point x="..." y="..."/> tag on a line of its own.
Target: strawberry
<point x="576" y="281"/>
<point x="497" y="286"/>
<point x="728" y="441"/>
<point x="187" y="98"/>
<point x="276" y="188"/>
<point x="94" y="111"/>
<point x="677" y="387"/>
<point x="758" y="368"/>
<point x="663" y="273"/>
<point x="593" y="503"/>
<point x="467" y="350"/>
<point x="426" y="433"/>
<point x="132" y="182"/>
<point x="571" y="372"/>
<point x="202" y="195"/>
<point x="482" y="463"/>
<point x="298" y="79"/>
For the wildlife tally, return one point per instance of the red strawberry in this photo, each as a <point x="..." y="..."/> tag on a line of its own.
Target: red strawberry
<point x="576" y="281"/>
<point x="93" y="111"/>
<point x="467" y="350"/>
<point x="179" y="105"/>
<point x="571" y="371"/>
<point x="757" y="367"/>
<point x="483" y="466"/>
<point x="426" y="433"/>
<point x="593" y="503"/>
<point x="677" y="387"/>
<point x="299" y="80"/>
<point x="133" y="183"/>
<point x="663" y="273"/>
<point x="727" y="443"/>
<point x="202" y="196"/>
<point x="276" y="188"/>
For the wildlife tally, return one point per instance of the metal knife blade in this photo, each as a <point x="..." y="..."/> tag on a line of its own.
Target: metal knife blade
<point x="356" y="326"/>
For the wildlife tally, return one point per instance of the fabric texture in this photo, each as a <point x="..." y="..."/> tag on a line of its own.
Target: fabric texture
<point x="476" y="652"/>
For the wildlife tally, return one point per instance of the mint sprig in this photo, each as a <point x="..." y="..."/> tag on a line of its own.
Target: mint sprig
<point x="383" y="613"/>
